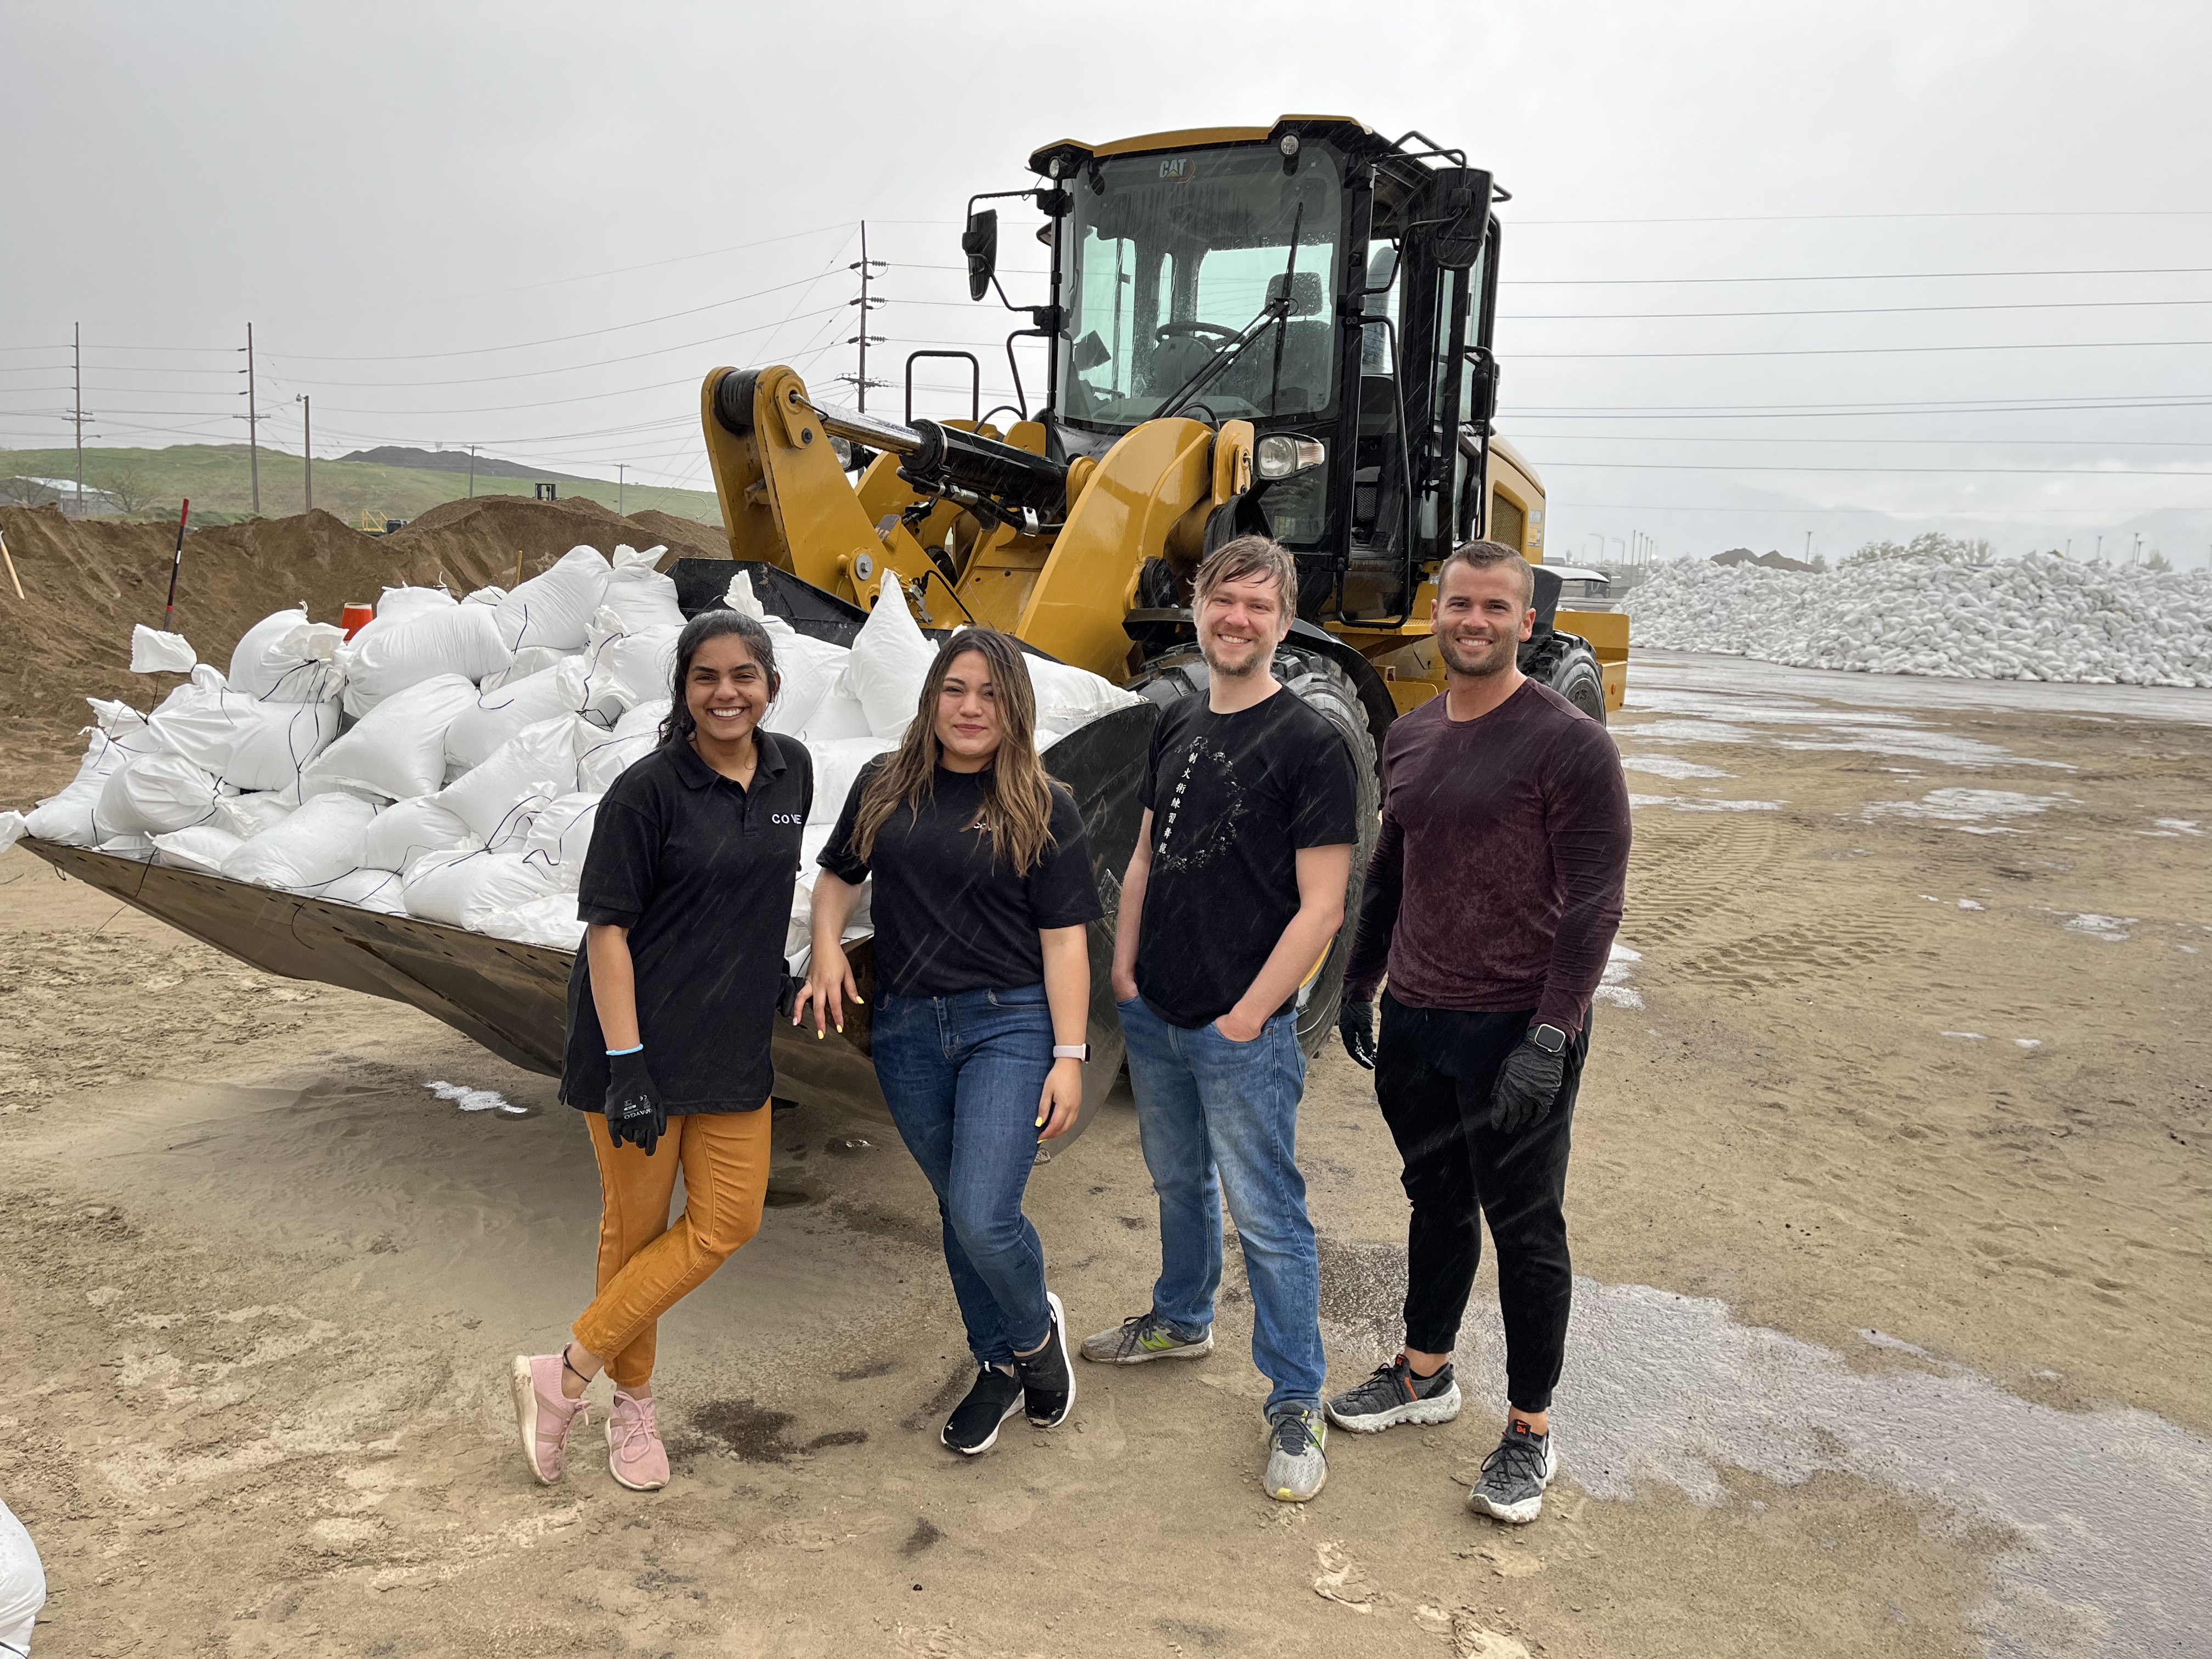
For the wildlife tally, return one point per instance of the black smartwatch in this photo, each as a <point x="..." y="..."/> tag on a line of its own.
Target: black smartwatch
<point x="1550" y="1038"/>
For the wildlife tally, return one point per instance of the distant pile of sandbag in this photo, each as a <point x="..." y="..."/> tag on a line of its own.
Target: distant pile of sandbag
<point x="446" y="762"/>
<point x="2041" y="618"/>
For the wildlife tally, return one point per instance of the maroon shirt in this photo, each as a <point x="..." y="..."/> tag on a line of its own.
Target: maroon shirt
<point x="1495" y="884"/>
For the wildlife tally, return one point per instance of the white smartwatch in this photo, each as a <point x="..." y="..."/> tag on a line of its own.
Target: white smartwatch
<point x="1070" y="1051"/>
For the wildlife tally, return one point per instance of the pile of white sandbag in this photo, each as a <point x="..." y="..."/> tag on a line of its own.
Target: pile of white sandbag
<point x="447" y="762"/>
<point x="2041" y="618"/>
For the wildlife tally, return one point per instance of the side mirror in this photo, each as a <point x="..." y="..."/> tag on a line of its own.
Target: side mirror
<point x="1482" y="394"/>
<point x="980" y="242"/>
<point x="1459" y="205"/>
<point x="1089" y="351"/>
<point x="1303" y="292"/>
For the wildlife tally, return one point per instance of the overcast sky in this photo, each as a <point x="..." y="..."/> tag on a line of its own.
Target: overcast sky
<point x="536" y="227"/>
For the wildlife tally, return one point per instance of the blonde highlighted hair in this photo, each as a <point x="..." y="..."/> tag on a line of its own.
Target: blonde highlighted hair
<point x="1017" y="809"/>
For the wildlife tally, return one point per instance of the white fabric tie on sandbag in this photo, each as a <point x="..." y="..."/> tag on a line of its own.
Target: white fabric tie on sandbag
<point x="561" y="835"/>
<point x="313" y="844"/>
<point x="247" y="744"/>
<point x="152" y="652"/>
<point x="384" y="658"/>
<point x="365" y="890"/>
<point x="398" y="604"/>
<point x="408" y="830"/>
<point x="550" y="922"/>
<point x="398" y="749"/>
<point x="604" y="756"/>
<point x="468" y="889"/>
<point x="639" y="594"/>
<point x="152" y="794"/>
<point x="739" y="597"/>
<point x="497" y="799"/>
<point x="531" y="659"/>
<point x="500" y="714"/>
<point x="890" y="660"/>
<point x="203" y="847"/>
<point x="809" y="668"/>
<point x="23" y="1584"/>
<point x="284" y="657"/>
<point x="555" y="607"/>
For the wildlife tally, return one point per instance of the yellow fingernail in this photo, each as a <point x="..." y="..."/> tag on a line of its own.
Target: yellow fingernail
<point x="818" y="1034"/>
<point x="858" y="998"/>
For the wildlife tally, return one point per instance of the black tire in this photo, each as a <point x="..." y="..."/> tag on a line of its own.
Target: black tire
<point x="1569" y="666"/>
<point x="1328" y="690"/>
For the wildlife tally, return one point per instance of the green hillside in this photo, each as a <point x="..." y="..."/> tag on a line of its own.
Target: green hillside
<point x="216" y="478"/>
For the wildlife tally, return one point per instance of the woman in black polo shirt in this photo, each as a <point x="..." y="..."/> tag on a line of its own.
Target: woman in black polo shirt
<point x="686" y="892"/>
<point x="983" y="888"/>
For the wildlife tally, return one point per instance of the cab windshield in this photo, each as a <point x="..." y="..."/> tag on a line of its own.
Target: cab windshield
<point x="1171" y="262"/>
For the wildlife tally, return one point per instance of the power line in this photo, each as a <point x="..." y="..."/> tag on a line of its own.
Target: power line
<point x="1760" y="467"/>
<point x="1843" y="277"/>
<point x="1833" y="311"/>
<point x="1817" y="218"/>
<point x="1868" y="351"/>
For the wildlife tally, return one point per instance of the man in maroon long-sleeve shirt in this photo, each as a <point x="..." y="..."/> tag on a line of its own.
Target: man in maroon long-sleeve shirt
<point x="1491" y="899"/>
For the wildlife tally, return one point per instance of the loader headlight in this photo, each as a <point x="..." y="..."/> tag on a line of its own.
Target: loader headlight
<point x="1279" y="455"/>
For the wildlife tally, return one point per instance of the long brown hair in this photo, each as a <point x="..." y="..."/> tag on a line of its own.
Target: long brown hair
<point x="1017" y="810"/>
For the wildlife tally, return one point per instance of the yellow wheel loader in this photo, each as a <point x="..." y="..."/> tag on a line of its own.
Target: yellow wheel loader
<point x="1283" y="329"/>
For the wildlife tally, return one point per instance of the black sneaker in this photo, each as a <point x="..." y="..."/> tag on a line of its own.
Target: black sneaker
<point x="1047" y="1380"/>
<point x="1395" y="1395"/>
<point x="1514" y="1477"/>
<point x="973" y="1428"/>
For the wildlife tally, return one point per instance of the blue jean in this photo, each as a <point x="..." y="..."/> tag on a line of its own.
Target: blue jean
<point x="1216" y="1115"/>
<point x="963" y="1075"/>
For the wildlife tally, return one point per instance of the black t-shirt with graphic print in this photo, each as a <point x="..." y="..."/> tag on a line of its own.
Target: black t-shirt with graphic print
<point x="1233" y="798"/>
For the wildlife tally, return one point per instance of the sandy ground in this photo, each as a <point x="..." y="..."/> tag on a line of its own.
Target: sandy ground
<point x="1891" y="1193"/>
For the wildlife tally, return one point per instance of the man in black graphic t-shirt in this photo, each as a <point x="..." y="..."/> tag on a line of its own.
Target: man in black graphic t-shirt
<point x="1236" y="889"/>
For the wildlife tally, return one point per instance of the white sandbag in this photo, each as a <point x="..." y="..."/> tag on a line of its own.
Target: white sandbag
<point x="531" y="659"/>
<point x="1069" y="697"/>
<point x="890" y="661"/>
<point x="67" y="816"/>
<point x="399" y="603"/>
<point x="385" y="658"/>
<point x="12" y="830"/>
<point x="408" y="830"/>
<point x="22" y="1585"/>
<point x="152" y="794"/>
<point x="491" y="595"/>
<point x="555" y="607"/>
<point x="639" y="594"/>
<point x="629" y="669"/>
<point x="365" y="890"/>
<point x="836" y="764"/>
<point x="398" y="749"/>
<point x="202" y="847"/>
<point x="284" y="657"/>
<point x="468" y="888"/>
<point x="551" y="922"/>
<point x="247" y="816"/>
<point x="561" y="835"/>
<point x="247" y="744"/>
<point x="500" y="714"/>
<point x="798" y="939"/>
<point x="840" y="716"/>
<point x="741" y="598"/>
<point x="603" y="758"/>
<point x="313" y="844"/>
<point x="152" y="652"/>
<point x="497" y="798"/>
<point x="808" y="669"/>
<point x="123" y="726"/>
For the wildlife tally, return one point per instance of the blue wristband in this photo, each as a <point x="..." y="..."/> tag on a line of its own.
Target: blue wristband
<point x="635" y="1048"/>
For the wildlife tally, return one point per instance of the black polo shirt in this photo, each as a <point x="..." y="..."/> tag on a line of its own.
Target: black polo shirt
<point x="950" y="913"/>
<point x="701" y="871"/>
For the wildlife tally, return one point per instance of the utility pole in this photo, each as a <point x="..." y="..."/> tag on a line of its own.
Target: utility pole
<point x="77" y="353"/>
<point x="252" y="425"/>
<point x="472" y="472"/>
<point x="1808" y="547"/>
<point x="867" y="267"/>
<point x="307" y="445"/>
<point x="622" y="476"/>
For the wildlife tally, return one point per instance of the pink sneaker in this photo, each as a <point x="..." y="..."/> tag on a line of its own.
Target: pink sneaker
<point x="545" y="1415"/>
<point x="634" y="1453"/>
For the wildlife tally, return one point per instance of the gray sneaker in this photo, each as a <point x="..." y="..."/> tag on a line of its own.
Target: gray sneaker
<point x="1395" y="1395"/>
<point x="1297" y="1458"/>
<point x="1515" y="1475"/>
<point x="1141" y="1337"/>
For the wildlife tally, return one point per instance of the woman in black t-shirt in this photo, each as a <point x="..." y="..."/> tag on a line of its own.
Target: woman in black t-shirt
<point x="686" y="891"/>
<point x="983" y="888"/>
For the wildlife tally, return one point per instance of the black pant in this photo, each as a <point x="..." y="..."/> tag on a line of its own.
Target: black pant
<point x="1433" y="1073"/>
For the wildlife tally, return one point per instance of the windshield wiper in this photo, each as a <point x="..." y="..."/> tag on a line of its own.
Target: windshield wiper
<point x="1276" y="311"/>
<point x="1283" y="325"/>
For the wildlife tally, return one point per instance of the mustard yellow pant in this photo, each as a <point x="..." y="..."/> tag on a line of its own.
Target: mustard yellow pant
<point x="646" y="1265"/>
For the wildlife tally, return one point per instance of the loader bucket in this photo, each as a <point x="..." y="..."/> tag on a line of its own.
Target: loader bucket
<point x="512" y="999"/>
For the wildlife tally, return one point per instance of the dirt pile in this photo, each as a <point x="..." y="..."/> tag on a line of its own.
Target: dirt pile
<point x="86" y="581"/>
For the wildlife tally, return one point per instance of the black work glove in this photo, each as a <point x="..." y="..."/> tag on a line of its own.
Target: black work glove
<point x="635" y="1111"/>
<point x="1526" y="1088"/>
<point x="1355" y="1023"/>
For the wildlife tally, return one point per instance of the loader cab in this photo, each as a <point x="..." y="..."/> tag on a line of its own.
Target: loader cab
<point x="1332" y="287"/>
